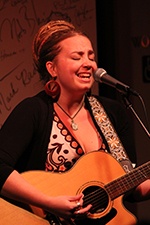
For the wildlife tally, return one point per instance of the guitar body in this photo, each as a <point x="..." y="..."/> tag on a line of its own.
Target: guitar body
<point x="13" y="215"/>
<point x="93" y="170"/>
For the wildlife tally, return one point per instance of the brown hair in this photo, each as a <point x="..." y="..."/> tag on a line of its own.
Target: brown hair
<point x="46" y="44"/>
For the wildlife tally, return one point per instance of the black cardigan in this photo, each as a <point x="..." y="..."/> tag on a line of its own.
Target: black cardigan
<point x="24" y="137"/>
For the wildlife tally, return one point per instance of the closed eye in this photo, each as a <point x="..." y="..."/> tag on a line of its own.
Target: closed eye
<point x="79" y="55"/>
<point x="76" y="58"/>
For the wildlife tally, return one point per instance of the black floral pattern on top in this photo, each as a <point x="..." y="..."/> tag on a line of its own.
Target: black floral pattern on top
<point x="63" y="150"/>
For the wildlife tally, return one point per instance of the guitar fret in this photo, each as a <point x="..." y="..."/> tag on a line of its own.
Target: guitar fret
<point x="128" y="181"/>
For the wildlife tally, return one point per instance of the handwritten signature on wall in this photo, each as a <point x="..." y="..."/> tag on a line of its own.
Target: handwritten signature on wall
<point x="19" y="21"/>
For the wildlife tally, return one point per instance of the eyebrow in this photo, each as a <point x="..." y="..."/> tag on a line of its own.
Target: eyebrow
<point x="81" y="52"/>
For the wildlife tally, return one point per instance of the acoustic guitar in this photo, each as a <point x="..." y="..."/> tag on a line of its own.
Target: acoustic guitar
<point x="98" y="176"/>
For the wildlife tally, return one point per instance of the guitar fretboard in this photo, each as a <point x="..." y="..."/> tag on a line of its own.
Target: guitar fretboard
<point x="128" y="181"/>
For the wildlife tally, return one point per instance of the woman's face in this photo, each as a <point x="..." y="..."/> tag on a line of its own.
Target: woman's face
<point x="75" y="64"/>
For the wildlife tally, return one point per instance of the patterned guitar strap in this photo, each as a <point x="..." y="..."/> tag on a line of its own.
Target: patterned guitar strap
<point x="116" y="148"/>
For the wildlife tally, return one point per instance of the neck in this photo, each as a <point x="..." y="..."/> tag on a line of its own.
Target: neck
<point x="72" y="114"/>
<point x="70" y="105"/>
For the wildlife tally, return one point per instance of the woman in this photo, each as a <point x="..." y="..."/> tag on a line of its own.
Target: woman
<point x="57" y="126"/>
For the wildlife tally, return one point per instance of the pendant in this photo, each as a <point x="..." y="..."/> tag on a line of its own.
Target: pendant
<point x="74" y="125"/>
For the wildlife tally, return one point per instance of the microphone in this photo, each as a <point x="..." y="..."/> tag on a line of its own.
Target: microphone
<point x="101" y="76"/>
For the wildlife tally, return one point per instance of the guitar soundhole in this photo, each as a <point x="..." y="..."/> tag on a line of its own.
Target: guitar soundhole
<point x="96" y="196"/>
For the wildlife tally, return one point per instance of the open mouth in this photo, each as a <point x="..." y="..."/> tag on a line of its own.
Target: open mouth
<point x="84" y="75"/>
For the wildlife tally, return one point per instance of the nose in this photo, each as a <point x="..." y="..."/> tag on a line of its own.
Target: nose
<point x="87" y="63"/>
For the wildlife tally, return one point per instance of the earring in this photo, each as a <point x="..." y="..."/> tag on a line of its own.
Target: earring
<point x="52" y="88"/>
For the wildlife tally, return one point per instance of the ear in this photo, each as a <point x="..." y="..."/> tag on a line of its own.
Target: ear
<point x="51" y="69"/>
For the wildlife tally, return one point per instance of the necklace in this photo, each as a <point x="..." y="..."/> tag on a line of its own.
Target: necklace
<point x="73" y="124"/>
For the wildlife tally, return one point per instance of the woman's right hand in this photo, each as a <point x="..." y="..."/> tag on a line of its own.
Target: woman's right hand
<point x="68" y="206"/>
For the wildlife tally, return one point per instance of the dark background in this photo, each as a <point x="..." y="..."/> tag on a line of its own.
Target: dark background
<point x="123" y="37"/>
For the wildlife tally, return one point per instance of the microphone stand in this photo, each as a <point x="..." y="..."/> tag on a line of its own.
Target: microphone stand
<point x="129" y="105"/>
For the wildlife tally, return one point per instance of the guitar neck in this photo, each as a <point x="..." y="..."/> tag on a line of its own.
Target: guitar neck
<point x="128" y="181"/>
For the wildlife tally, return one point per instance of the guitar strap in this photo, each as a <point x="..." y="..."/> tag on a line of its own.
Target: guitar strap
<point x="116" y="148"/>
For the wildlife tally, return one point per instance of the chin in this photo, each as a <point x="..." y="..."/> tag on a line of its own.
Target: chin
<point x="87" y="89"/>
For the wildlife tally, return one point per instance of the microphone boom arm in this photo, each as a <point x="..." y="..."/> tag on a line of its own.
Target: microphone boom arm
<point x="129" y="105"/>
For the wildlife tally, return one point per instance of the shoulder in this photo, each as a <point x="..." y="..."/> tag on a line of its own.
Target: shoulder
<point x="40" y="98"/>
<point x="31" y="112"/>
<point x="39" y="102"/>
<point x="32" y="109"/>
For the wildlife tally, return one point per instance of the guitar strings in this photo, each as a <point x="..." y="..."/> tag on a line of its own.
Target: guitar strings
<point x="103" y="199"/>
<point x="91" y="198"/>
<point x="98" y="197"/>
